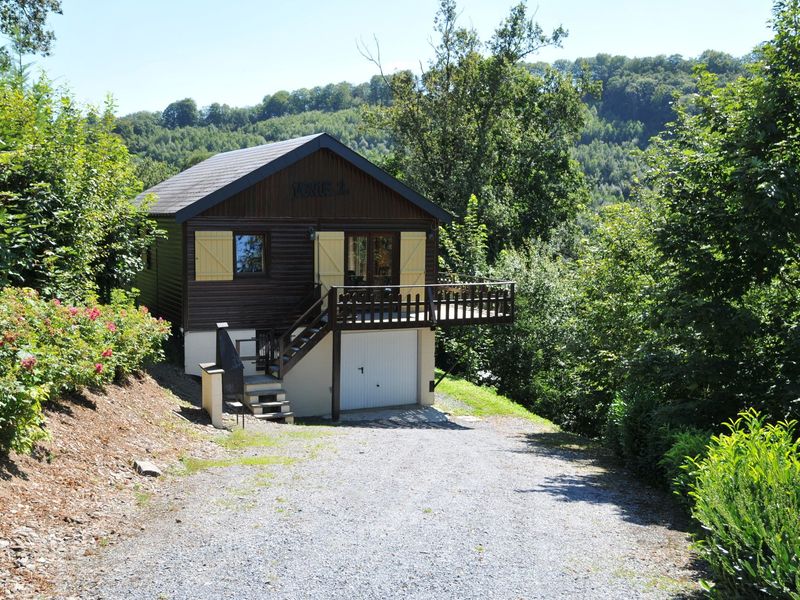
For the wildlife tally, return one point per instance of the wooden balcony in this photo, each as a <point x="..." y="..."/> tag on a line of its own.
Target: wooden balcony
<point x="449" y="302"/>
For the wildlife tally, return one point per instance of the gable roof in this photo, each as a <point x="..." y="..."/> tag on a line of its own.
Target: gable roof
<point x="216" y="179"/>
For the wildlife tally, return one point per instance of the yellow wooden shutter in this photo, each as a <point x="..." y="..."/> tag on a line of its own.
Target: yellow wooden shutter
<point x="412" y="262"/>
<point x="213" y="255"/>
<point x="329" y="259"/>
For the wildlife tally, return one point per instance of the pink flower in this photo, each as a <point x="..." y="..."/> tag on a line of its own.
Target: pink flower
<point x="144" y="309"/>
<point x="111" y="326"/>
<point x="56" y="302"/>
<point x="98" y="367"/>
<point x="107" y="352"/>
<point x="92" y="313"/>
<point x="73" y="310"/>
<point x="28" y="363"/>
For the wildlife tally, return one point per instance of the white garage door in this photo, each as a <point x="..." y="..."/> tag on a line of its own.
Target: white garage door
<point x="379" y="368"/>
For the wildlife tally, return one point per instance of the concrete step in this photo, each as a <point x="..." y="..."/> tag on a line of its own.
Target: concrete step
<point x="275" y="415"/>
<point x="259" y="379"/>
<point x="259" y="383"/>
<point x="277" y="404"/>
<point x="254" y="394"/>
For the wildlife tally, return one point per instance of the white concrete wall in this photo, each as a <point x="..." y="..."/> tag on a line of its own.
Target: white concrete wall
<point x="201" y="347"/>
<point x="426" y="349"/>
<point x="308" y="384"/>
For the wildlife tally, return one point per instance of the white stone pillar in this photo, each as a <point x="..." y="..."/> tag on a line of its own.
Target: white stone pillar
<point x="212" y="392"/>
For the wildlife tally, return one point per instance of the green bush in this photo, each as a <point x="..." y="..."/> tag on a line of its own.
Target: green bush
<point x="612" y="432"/>
<point x="747" y="499"/>
<point x="687" y="443"/>
<point x="644" y="437"/>
<point x="49" y="348"/>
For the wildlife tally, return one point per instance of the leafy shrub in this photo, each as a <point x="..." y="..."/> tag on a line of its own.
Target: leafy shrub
<point x="612" y="433"/>
<point x="527" y="356"/>
<point x="643" y="436"/>
<point x="49" y="348"/>
<point x="687" y="443"/>
<point x="747" y="499"/>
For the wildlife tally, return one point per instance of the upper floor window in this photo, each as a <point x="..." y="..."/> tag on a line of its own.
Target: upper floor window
<point x="250" y="253"/>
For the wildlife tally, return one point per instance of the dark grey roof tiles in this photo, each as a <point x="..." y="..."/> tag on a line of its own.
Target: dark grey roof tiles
<point x="213" y="174"/>
<point x="200" y="187"/>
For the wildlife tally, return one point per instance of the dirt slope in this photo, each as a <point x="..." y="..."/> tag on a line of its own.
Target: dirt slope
<point x="79" y="490"/>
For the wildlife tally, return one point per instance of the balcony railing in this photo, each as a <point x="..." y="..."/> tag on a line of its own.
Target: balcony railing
<point x="450" y="302"/>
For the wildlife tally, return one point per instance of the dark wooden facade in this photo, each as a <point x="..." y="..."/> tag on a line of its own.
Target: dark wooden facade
<point x="321" y="192"/>
<point x="162" y="284"/>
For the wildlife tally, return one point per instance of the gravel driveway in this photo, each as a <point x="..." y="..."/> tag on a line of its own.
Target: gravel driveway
<point x="413" y="506"/>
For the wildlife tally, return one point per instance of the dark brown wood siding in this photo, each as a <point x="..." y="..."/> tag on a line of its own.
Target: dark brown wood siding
<point x="275" y="300"/>
<point x="274" y="198"/>
<point x="261" y="302"/>
<point x="352" y="201"/>
<point x="161" y="286"/>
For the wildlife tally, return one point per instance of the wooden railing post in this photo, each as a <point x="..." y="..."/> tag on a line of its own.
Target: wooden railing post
<point x="336" y="354"/>
<point x="333" y="308"/>
<point x="429" y="307"/>
<point x="280" y="358"/>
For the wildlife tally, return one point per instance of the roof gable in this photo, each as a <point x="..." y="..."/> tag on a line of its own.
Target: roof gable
<point x="220" y="177"/>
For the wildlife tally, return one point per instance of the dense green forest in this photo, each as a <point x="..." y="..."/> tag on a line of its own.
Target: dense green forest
<point x="635" y="100"/>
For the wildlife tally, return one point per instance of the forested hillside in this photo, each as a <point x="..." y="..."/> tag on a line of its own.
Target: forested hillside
<point x="635" y="102"/>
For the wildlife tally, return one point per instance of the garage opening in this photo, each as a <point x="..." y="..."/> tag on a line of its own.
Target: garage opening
<point x="379" y="368"/>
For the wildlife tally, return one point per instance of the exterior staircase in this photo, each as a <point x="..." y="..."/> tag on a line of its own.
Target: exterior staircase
<point x="295" y="344"/>
<point x="266" y="399"/>
<point x="264" y="394"/>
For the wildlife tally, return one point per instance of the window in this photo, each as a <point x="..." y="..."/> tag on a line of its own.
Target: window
<point x="371" y="258"/>
<point x="356" y="272"/>
<point x="250" y="254"/>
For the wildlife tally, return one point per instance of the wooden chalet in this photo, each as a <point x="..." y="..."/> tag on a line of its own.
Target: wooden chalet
<point x="310" y="276"/>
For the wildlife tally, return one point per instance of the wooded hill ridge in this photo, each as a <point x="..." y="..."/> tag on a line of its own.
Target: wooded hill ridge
<point x="634" y="104"/>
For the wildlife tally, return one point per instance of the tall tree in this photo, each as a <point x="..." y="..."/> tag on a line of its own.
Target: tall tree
<point x="24" y="22"/>
<point x="181" y="113"/>
<point x="478" y="122"/>
<point x="728" y="175"/>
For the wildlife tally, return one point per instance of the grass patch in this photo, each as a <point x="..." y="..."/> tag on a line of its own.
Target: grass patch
<point x="239" y="439"/>
<point x="193" y="465"/>
<point x="242" y="438"/>
<point x="481" y="401"/>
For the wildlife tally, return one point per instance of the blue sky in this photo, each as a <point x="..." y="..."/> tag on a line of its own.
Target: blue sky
<point x="148" y="53"/>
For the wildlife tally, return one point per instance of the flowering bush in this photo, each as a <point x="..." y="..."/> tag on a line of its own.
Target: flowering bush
<point x="48" y="348"/>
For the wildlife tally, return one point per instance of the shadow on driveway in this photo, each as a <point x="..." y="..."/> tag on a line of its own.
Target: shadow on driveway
<point x="600" y="479"/>
<point x="400" y="417"/>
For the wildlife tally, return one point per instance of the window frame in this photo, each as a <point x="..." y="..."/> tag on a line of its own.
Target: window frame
<point x="370" y="234"/>
<point x="265" y="254"/>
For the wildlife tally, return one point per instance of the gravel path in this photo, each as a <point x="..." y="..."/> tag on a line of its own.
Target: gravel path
<point x="417" y="506"/>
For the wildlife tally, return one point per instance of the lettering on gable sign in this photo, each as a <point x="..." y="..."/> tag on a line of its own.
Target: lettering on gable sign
<point x="319" y="189"/>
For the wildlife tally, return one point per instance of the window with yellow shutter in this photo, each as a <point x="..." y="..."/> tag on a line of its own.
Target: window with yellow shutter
<point x="213" y="255"/>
